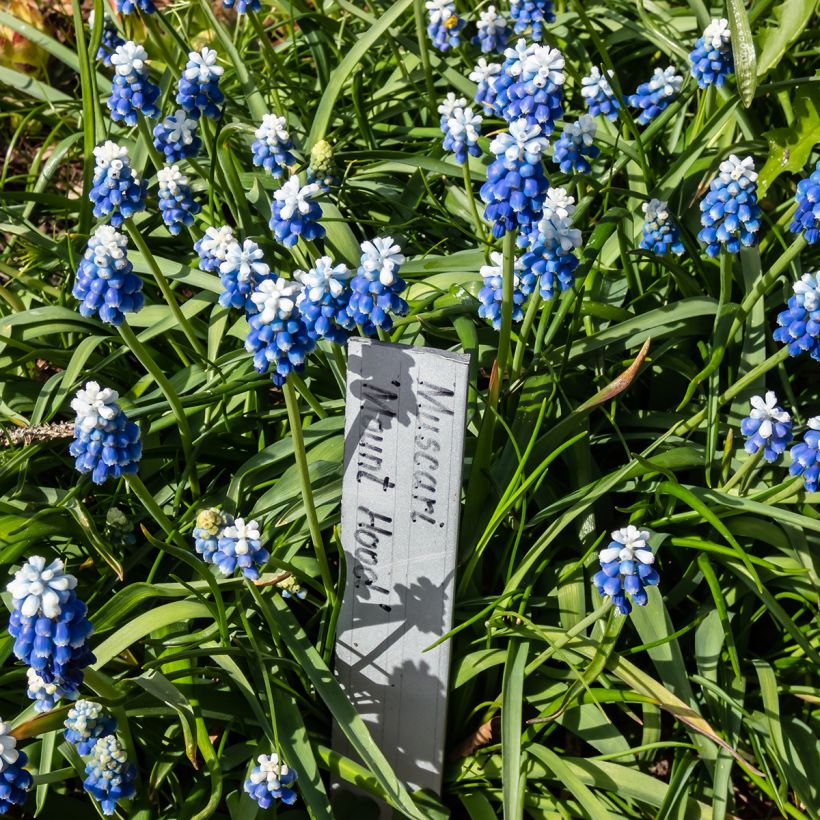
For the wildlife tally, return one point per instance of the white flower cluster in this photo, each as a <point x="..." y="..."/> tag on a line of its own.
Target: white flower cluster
<point x="275" y="299"/>
<point x="129" y="58"/>
<point x="381" y="255"/>
<point x="630" y="545"/>
<point x="41" y="588"/>
<point x="95" y="406"/>
<point x="245" y="260"/>
<point x="324" y="277"/>
<point x="294" y="197"/>
<point x="202" y="66"/>
<point x="738" y="170"/>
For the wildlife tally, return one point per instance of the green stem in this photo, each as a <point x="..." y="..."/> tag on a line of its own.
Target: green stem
<point x="424" y="53"/>
<point x="306" y="393"/>
<point x="468" y="187"/>
<point x="149" y="502"/>
<point x="272" y="60"/>
<point x="526" y="327"/>
<point x="145" y="133"/>
<point x="506" y="304"/>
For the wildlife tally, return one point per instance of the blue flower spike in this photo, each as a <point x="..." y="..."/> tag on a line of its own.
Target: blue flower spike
<point x="768" y="427"/>
<point x="799" y="324"/>
<point x="15" y="781"/>
<point x="132" y="91"/>
<point x="109" y="774"/>
<point x="176" y="199"/>
<point x="444" y="25"/>
<point x="243" y="6"/>
<point x="493" y="31"/>
<point x="806" y="456"/>
<point x="213" y="248"/>
<point x="485" y="75"/>
<point x="209" y="524"/>
<point x="176" y="136"/>
<point x="711" y="61"/>
<point x="105" y="443"/>
<point x="324" y="299"/>
<point x="598" y="95"/>
<point x="272" y="147"/>
<point x="654" y="96"/>
<point x="576" y="147"/>
<point x="295" y="214"/>
<point x="461" y="128"/>
<point x="239" y="547"/>
<point x="491" y="294"/>
<point x="531" y="13"/>
<point x="198" y="92"/>
<point x="730" y="215"/>
<point x="241" y="272"/>
<point x="271" y="780"/>
<point x="660" y="233"/>
<point x="376" y="288"/>
<point x="130" y="6"/>
<point x="627" y="568"/>
<point x="806" y="218"/>
<point x="110" y="40"/>
<point x="86" y="723"/>
<point x="116" y="190"/>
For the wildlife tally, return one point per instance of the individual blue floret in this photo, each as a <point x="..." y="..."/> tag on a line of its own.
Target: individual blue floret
<point x="800" y="322"/>
<point x="491" y="294"/>
<point x="198" y="91"/>
<point x="485" y="75"/>
<point x="377" y="287"/>
<point x="324" y="299"/>
<point x="176" y="136"/>
<point x="209" y="524"/>
<point x="15" y="781"/>
<point x="213" y="248"/>
<point x="131" y="89"/>
<point x="243" y="6"/>
<point x="807" y="216"/>
<point x="654" y="96"/>
<point x="532" y="13"/>
<point x="295" y="214"/>
<point x="575" y="147"/>
<point x="105" y="283"/>
<point x="105" y="444"/>
<point x="86" y="723"/>
<point x="730" y="214"/>
<point x="110" y="39"/>
<point x="806" y="456"/>
<point x="626" y="569"/>
<point x="516" y="184"/>
<point x="768" y="427"/>
<point x="109" y="774"/>
<point x="598" y="95"/>
<point x="272" y="147"/>
<point x="176" y="199"/>
<point x="711" y="61"/>
<point x="241" y="272"/>
<point x="660" y="233"/>
<point x="444" y="25"/>
<point x="278" y="339"/>
<point x="116" y="190"/>
<point x="461" y="132"/>
<point x="239" y="547"/>
<point x="493" y="32"/>
<point x="271" y="780"/>
<point x="130" y="6"/>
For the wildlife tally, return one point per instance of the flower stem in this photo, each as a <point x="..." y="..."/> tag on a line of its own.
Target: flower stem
<point x="145" y="133"/>
<point x="424" y="53"/>
<point x="506" y="304"/>
<point x="468" y="187"/>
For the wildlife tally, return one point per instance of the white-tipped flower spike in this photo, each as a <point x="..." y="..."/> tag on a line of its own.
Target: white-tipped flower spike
<point x="492" y="293"/>
<point x="176" y="199"/>
<point x="598" y="95"/>
<point x="41" y="588"/>
<point x="132" y="90"/>
<point x="95" y="406"/>
<point x="660" y="233"/>
<point x="271" y="780"/>
<point x="8" y="746"/>
<point x="15" y="781"/>
<point x="381" y="259"/>
<point x="654" y="96"/>
<point x="176" y="136"/>
<point x="485" y="75"/>
<point x="295" y="214"/>
<point x="199" y="91"/>
<point x="449" y="104"/>
<point x="272" y="147"/>
<point x="213" y="248"/>
<point x="324" y="299"/>
<point x="626" y="568"/>
<point x="711" y="60"/>
<point x="116" y="190"/>
<point x="768" y="427"/>
<point x="239" y="545"/>
<point x="492" y="31"/>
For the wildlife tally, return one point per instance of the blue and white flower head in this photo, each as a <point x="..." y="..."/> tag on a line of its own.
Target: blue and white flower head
<point x="45" y="695"/>
<point x="531" y="13"/>
<point x="39" y="588"/>
<point x="730" y="214"/>
<point x="273" y="145"/>
<point x="461" y="133"/>
<point x="15" y="781"/>
<point x="105" y="444"/>
<point x="86" y="723"/>
<point x="290" y="587"/>
<point x="279" y="338"/>
<point x="110" y="39"/>
<point x="598" y="95"/>
<point x="324" y="299"/>
<point x="295" y="214"/>
<point x="198" y="91"/>
<point x="209" y="525"/>
<point x="109" y="774"/>
<point x="800" y="322"/>
<point x="654" y="96"/>
<point x="375" y="289"/>
<point x="176" y="199"/>
<point x="447" y="106"/>
<point x="516" y="184"/>
<point x="116" y="190"/>
<point x="485" y="75"/>
<point x="213" y="248"/>
<point x="106" y="284"/>
<point x="626" y="569"/>
<point x="131" y="89"/>
<point x="536" y="89"/>
<point x="491" y="294"/>
<point x="241" y="272"/>
<point x="806" y="456"/>
<point x="768" y="427"/>
<point x="239" y="546"/>
<point x="444" y="25"/>
<point x="660" y="233"/>
<point x="130" y="6"/>
<point x="176" y="136"/>
<point x="575" y="147"/>
<point x="493" y="32"/>
<point x="271" y="780"/>
<point x="243" y="6"/>
<point x="806" y="218"/>
<point x="711" y="61"/>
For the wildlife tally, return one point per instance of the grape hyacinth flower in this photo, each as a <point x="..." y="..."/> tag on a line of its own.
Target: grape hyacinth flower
<point x="533" y="13"/>
<point x="105" y="444"/>
<point x="447" y="106"/>
<point x="660" y="233"/>
<point x="800" y="322"/>
<point x="711" y="61"/>
<point x="176" y="199"/>
<point x="198" y="91"/>
<point x="242" y="270"/>
<point x="272" y="147"/>
<point x="15" y="781"/>
<point x="444" y="24"/>
<point x="239" y="546"/>
<point x="768" y="427"/>
<point x="130" y="6"/>
<point x="492" y="31"/>
<point x="109" y="774"/>
<point x="626" y="569"/>
<point x="105" y="283"/>
<point x="213" y="248"/>
<point x="110" y="39"/>
<point x="131" y="89"/>
<point x="807" y="216"/>
<point x="322" y="167"/>
<point x="116" y="190"/>
<point x="461" y="133"/>
<point x="209" y="525"/>
<point x="290" y="587"/>
<point x="243" y="6"/>
<point x="806" y="456"/>
<point x="271" y="780"/>
<point x="491" y="294"/>
<point x="50" y="630"/>
<point x="375" y="289"/>
<point x="176" y="136"/>
<point x="86" y="723"/>
<point x="278" y="337"/>
<point x="323" y="300"/>
<point x="575" y="147"/>
<point x="730" y="214"/>
<point x="598" y="95"/>
<point x="654" y="96"/>
<point x="295" y="214"/>
<point x="485" y="75"/>
<point x="516" y="184"/>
